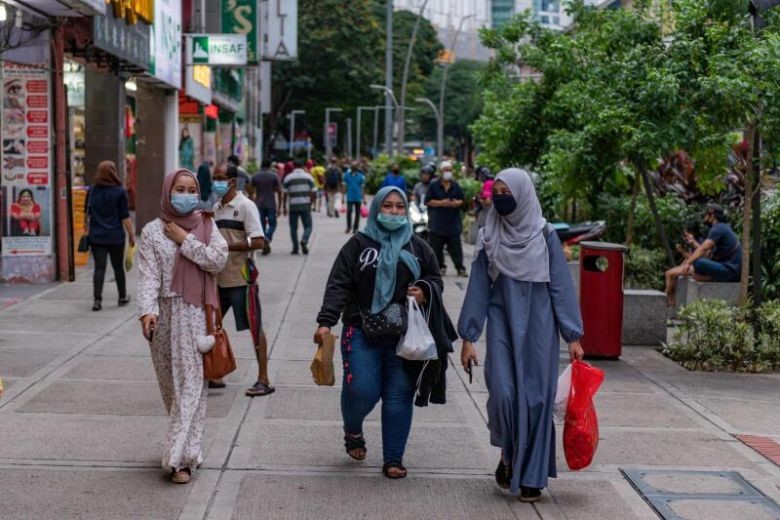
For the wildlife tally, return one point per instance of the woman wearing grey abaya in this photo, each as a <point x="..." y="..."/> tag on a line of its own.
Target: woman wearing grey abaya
<point x="520" y="283"/>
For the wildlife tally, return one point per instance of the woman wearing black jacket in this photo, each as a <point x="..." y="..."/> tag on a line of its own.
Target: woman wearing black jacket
<point x="372" y="276"/>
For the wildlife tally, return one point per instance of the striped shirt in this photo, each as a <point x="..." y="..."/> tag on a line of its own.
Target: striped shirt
<point x="299" y="186"/>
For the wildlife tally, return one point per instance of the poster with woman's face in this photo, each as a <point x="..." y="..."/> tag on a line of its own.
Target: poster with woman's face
<point x="190" y="145"/>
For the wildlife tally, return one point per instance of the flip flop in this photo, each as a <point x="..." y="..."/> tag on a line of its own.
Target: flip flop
<point x="259" y="390"/>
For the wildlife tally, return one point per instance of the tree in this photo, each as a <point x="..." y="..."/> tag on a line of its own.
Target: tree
<point x="339" y="46"/>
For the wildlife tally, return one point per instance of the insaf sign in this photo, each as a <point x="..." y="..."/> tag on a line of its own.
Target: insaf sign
<point x="216" y="49"/>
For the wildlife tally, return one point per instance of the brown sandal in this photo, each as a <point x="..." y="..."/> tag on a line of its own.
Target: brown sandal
<point x="182" y="476"/>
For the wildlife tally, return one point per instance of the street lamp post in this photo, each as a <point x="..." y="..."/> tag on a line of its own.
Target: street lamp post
<point x="389" y="77"/>
<point x="439" y="126"/>
<point x="348" y="142"/>
<point x="328" y="147"/>
<point x="292" y="130"/>
<point x="376" y="131"/>
<point x="360" y="127"/>
<point x="402" y="119"/>
<point x="447" y="68"/>
<point x="389" y="137"/>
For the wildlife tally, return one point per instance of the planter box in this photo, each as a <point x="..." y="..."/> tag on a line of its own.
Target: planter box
<point x="644" y="317"/>
<point x="689" y="290"/>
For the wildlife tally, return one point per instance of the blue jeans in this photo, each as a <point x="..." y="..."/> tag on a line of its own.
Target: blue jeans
<point x="372" y="371"/>
<point x="715" y="270"/>
<point x="305" y="216"/>
<point x="268" y="221"/>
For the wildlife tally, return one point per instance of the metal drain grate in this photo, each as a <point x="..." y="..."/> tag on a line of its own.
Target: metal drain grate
<point x="701" y="495"/>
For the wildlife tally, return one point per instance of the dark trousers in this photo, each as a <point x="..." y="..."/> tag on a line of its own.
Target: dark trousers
<point x="101" y="253"/>
<point x="454" y="247"/>
<point x="350" y="207"/>
<point x="268" y="221"/>
<point x="305" y="216"/>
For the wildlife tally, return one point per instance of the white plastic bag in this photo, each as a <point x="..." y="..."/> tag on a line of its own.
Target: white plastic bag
<point x="418" y="343"/>
<point x="562" y="394"/>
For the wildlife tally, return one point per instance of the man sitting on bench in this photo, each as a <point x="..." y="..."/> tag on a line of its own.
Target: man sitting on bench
<point x="724" y="249"/>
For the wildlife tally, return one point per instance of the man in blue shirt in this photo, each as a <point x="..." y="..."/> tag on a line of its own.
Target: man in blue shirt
<point x="444" y="201"/>
<point x="354" y="180"/>
<point x="394" y="178"/>
<point x="725" y="264"/>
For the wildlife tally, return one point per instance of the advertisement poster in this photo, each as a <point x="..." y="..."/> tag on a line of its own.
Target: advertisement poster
<point x="210" y="147"/>
<point x="26" y="161"/>
<point x="190" y="143"/>
<point x="78" y="206"/>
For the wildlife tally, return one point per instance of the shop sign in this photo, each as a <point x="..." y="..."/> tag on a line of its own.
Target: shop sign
<point x="280" y="23"/>
<point x="197" y="83"/>
<point x="26" y="160"/>
<point x="132" y="43"/>
<point x="217" y="49"/>
<point x="166" y="45"/>
<point x="133" y="10"/>
<point x="242" y="17"/>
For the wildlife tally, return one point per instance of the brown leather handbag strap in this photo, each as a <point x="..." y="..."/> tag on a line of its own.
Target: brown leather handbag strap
<point x="210" y="320"/>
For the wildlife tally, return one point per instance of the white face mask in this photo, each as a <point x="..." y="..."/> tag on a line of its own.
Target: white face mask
<point x="447" y="176"/>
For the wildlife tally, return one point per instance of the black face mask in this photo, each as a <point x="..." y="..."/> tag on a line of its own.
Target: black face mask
<point x="504" y="203"/>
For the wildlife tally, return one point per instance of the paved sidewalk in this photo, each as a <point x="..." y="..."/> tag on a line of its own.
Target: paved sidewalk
<point x="82" y="423"/>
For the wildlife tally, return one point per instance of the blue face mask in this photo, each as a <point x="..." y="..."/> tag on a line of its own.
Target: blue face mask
<point x="221" y="187"/>
<point x="504" y="203"/>
<point x="392" y="222"/>
<point x="184" y="203"/>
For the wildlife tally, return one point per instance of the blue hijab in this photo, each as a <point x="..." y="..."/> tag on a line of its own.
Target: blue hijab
<point x="392" y="244"/>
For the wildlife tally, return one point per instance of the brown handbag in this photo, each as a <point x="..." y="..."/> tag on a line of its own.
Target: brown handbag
<point x="322" y="364"/>
<point x="219" y="361"/>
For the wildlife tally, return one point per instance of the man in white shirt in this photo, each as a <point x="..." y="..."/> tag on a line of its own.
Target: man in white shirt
<point x="239" y="222"/>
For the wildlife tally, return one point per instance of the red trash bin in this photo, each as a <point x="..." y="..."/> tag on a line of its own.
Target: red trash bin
<point x="601" y="298"/>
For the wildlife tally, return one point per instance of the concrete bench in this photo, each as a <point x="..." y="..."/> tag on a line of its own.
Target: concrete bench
<point x="689" y="290"/>
<point x="644" y="317"/>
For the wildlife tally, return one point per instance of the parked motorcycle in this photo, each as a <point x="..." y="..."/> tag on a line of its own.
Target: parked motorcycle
<point x="419" y="217"/>
<point x="570" y="235"/>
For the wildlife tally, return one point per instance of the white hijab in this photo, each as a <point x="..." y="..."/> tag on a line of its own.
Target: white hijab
<point x="515" y="244"/>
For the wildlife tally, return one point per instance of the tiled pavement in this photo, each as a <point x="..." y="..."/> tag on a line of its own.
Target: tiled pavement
<point x="82" y="423"/>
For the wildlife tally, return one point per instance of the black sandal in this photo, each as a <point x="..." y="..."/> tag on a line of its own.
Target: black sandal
<point x="391" y="465"/>
<point x="503" y="475"/>
<point x="355" y="442"/>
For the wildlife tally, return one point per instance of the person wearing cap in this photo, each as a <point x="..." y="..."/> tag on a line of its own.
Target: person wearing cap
<point x="444" y="200"/>
<point x="717" y="259"/>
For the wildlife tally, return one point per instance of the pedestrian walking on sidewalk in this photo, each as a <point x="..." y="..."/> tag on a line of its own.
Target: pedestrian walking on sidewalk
<point x="354" y="180"/>
<point x="180" y="254"/>
<point x="444" y="200"/>
<point x="333" y="179"/>
<point x="268" y="198"/>
<point x="108" y="219"/>
<point x="521" y="285"/>
<point x="299" y="193"/>
<point x="239" y="222"/>
<point x="376" y="268"/>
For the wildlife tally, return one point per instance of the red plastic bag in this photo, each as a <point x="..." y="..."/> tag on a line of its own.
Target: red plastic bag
<point x="581" y="427"/>
<point x="364" y="211"/>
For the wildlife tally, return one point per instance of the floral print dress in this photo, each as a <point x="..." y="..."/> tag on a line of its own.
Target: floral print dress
<point x="177" y="361"/>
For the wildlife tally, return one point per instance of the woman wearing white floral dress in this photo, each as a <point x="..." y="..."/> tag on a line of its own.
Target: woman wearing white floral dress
<point x="179" y="254"/>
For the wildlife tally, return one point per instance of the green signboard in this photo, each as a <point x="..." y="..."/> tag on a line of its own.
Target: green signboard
<point x="242" y="17"/>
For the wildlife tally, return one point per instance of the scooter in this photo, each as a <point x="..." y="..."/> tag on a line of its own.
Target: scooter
<point x="570" y="235"/>
<point x="419" y="218"/>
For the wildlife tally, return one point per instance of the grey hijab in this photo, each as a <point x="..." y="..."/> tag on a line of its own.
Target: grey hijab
<point x="515" y="244"/>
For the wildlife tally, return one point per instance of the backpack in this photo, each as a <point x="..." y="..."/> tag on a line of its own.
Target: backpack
<point x="333" y="179"/>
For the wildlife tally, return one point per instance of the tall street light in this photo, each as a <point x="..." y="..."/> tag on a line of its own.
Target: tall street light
<point x="447" y="68"/>
<point x="390" y="97"/>
<point x="292" y="129"/>
<point x="376" y="130"/>
<point x="402" y="119"/>
<point x="389" y="77"/>
<point x="439" y="125"/>
<point x="360" y="127"/>
<point x="328" y="146"/>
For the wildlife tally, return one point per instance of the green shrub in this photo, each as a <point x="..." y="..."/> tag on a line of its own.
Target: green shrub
<point x="645" y="269"/>
<point x="715" y="336"/>
<point x="770" y="244"/>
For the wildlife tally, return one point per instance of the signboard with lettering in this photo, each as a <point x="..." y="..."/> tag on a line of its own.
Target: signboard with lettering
<point x="241" y="17"/>
<point x="217" y="49"/>
<point x="87" y="7"/>
<point x="166" y="48"/>
<point x="197" y="83"/>
<point x="280" y="24"/>
<point x="132" y="43"/>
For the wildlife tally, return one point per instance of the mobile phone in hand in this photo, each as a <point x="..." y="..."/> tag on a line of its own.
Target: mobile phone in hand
<point x="469" y="364"/>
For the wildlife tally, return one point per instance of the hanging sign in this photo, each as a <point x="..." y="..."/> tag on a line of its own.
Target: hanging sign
<point x="280" y="24"/>
<point x="217" y="49"/>
<point x="241" y="17"/>
<point x="166" y="43"/>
